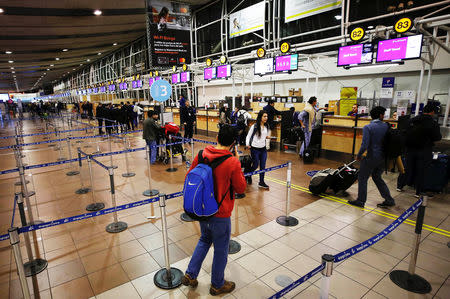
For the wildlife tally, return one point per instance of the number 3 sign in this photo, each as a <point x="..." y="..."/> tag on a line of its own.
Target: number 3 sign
<point x="161" y="90"/>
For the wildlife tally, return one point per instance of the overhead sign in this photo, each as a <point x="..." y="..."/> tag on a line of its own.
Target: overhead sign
<point x="357" y="34"/>
<point x="169" y="32"/>
<point x="261" y="52"/>
<point x="247" y="20"/>
<point x="161" y="90"/>
<point x="285" y="47"/>
<point x="298" y="9"/>
<point x="403" y="25"/>
<point x="388" y="82"/>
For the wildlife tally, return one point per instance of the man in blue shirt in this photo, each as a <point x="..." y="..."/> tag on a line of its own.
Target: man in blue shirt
<point x="271" y="112"/>
<point x="373" y="164"/>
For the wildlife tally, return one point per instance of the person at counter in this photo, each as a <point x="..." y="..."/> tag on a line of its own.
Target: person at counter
<point x="307" y="119"/>
<point x="182" y="101"/>
<point x="271" y="112"/>
<point x="150" y="133"/>
<point x="354" y="111"/>
<point x="188" y="119"/>
<point x="373" y="164"/>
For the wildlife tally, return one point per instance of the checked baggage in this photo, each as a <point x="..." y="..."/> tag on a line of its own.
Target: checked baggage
<point x="336" y="179"/>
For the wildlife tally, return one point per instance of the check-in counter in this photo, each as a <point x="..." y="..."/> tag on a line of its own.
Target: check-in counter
<point x="339" y="132"/>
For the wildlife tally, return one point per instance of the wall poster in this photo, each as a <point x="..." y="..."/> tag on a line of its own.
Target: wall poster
<point x="169" y="32"/>
<point x="298" y="9"/>
<point x="247" y="20"/>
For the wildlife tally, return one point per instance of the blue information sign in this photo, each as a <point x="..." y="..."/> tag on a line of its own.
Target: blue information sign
<point x="161" y="90"/>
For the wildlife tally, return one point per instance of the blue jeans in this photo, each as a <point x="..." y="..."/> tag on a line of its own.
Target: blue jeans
<point x="153" y="150"/>
<point x="372" y="167"/>
<point x="259" y="157"/>
<point x="215" y="231"/>
<point x="305" y="143"/>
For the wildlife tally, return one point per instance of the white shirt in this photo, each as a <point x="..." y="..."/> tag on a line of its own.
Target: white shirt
<point x="247" y="115"/>
<point x="137" y="109"/>
<point x="258" y="141"/>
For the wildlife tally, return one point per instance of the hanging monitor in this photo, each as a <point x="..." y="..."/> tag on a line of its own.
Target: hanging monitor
<point x="185" y="77"/>
<point x="136" y="84"/>
<point x="355" y="54"/>
<point x="176" y="78"/>
<point x="123" y="86"/>
<point x="153" y="79"/>
<point x="263" y="66"/>
<point x="209" y="73"/>
<point x="224" y="71"/>
<point x="408" y="47"/>
<point x="112" y="87"/>
<point x="102" y="88"/>
<point x="286" y="63"/>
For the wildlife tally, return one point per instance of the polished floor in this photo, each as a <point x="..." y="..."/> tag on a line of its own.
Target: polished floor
<point x="85" y="261"/>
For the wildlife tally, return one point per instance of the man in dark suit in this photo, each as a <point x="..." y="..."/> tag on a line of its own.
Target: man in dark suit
<point x="188" y="119"/>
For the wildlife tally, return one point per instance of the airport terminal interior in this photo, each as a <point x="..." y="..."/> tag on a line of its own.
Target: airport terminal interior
<point x="337" y="112"/>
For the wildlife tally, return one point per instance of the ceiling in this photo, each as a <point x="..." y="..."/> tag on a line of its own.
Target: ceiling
<point x="37" y="32"/>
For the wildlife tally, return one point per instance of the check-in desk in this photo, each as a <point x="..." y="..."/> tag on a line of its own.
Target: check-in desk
<point x="342" y="133"/>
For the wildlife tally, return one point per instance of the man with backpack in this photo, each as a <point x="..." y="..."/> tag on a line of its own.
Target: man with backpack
<point x="213" y="169"/>
<point x="421" y="134"/>
<point x="242" y="117"/>
<point x="373" y="164"/>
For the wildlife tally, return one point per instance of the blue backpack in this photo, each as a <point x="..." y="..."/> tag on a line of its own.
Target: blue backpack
<point x="199" y="201"/>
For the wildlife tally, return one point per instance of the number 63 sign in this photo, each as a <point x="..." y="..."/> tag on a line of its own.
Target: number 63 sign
<point x="161" y="90"/>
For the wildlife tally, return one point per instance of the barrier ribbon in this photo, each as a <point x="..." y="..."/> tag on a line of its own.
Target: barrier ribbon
<point x="4" y="237"/>
<point x="100" y="163"/>
<point x="266" y="169"/>
<point x="9" y="171"/>
<point x="53" y="163"/>
<point x="366" y="244"/>
<point x="204" y="141"/>
<point x="297" y="282"/>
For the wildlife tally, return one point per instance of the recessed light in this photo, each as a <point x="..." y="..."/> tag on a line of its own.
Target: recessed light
<point x="52" y="65"/>
<point x="88" y="60"/>
<point x="10" y="61"/>
<point x="1" y="10"/>
<point x="115" y="44"/>
<point x="57" y="58"/>
<point x="65" y="50"/>
<point x="73" y="69"/>
<point x="99" y="53"/>
<point x="338" y="17"/>
<point x="81" y="64"/>
<point x="97" y="12"/>
<point x="11" y="68"/>
<point x="369" y="27"/>
<point x="8" y="52"/>
<point x="48" y="69"/>
<point x="13" y="72"/>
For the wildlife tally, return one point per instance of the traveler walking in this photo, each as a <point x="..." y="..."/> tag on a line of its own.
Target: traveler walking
<point x="188" y="119"/>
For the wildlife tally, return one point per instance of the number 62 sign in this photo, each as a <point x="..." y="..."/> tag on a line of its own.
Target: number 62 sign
<point x="161" y="90"/>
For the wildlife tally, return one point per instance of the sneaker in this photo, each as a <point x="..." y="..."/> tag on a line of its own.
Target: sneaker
<point x="386" y="204"/>
<point x="356" y="203"/>
<point x="263" y="185"/>
<point x="227" y="287"/>
<point x="416" y="195"/>
<point x="188" y="281"/>
<point x="399" y="189"/>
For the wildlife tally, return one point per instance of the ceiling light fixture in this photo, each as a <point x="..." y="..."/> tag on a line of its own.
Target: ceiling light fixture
<point x="115" y="44"/>
<point x="48" y="69"/>
<point x="99" y="53"/>
<point x="11" y="68"/>
<point x="13" y="72"/>
<point x="57" y="58"/>
<point x="97" y="12"/>
<point x="338" y="17"/>
<point x="65" y="50"/>
<point x="1" y="10"/>
<point x="88" y="60"/>
<point x="10" y="61"/>
<point x="8" y="52"/>
<point x="52" y="65"/>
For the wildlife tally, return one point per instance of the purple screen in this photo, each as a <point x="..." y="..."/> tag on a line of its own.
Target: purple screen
<point x="350" y="55"/>
<point x="224" y="71"/>
<point x="112" y="87"/>
<point x="95" y="89"/>
<point x="209" y="73"/>
<point x="175" y="78"/>
<point x="103" y="89"/>
<point x="134" y="84"/>
<point x="399" y="48"/>
<point x="123" y="86"/>
<point x="286" y="63"/>
<point x="185" y="77"/>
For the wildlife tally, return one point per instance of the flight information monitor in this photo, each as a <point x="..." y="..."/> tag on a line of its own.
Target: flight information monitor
<point x="408" y="47"/>
<point x="286" y="63"/>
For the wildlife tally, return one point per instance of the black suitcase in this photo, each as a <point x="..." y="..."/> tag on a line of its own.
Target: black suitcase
<point x="308" y="156"/>
<point x="321" y="181"/>
<point x="437" y="174"/>
<point x="344" y="177"/>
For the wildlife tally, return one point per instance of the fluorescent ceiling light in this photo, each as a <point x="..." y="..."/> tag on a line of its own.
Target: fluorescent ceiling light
<point x="65" y="50"/>
<point x="99" y="53"/>
<point x="10" y="61"/>
<point x="97" y="12"/>
<point x="115" y="44"/>
<point x="8" y="52"/>
<point x="88" y="60"/>
<point x="369" y="27"/>
<point x="11" y="68"/>
<point x="338" y="17"/>
<point x="52" y="65"/>
<point x="57" y="58"/>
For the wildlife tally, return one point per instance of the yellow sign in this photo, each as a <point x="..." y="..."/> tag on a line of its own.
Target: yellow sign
<point x="357" y="34"/>
<point x="260" y="52"/>
<point x="184" y="67"/>
<point x="208" y="61"/>
<point x="349" y="92"/>
<point x="174" y="68"/>
<point x="223" y="59"/>
<point x="285" y="47"/>
<point x="403" y="25"/>
<point x="156" y="73"/>
<point x="151" y="74"/>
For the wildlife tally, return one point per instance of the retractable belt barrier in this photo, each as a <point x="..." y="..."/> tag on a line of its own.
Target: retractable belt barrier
<point x="352" y="250"/>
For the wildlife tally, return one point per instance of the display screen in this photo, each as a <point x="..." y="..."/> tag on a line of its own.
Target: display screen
<point x="355" y="54"/>
<point x="185" y="77"/>
<point x="224" y="71"/>
<point x="247" y="20"/>
<point x="123" y="86"/>
<point x="176" y="78"/>
<point x="103" y="89"/>
<point x="286" y="63"/>
<point x="263" y="66"/>
<point x="399" y="48"/>
<point x="136" y="84"/>
<point x="209" y="73"/>
<point x="112" y="87"/>
<point x="95" y="89"/>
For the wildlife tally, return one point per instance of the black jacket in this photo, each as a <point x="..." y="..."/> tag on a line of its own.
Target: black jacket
<point x="187" y="115"/>
<point x="271" y="112"/>
<point x="422" y="132"/>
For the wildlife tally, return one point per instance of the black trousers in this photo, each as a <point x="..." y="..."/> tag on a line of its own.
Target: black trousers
<point x="100" y="124"/>
<point x="417" y="161"/>
<point x="188" y="130"/>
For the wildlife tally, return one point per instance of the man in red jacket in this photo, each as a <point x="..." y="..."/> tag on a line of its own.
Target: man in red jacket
<point x="228" y="179"/>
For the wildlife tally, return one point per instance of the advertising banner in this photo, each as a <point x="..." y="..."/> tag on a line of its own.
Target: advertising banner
<point x="388" y="82"/>
<point x="169" y="32"/>
<point x="298" y="9"/>
<point x="247" y="20"/>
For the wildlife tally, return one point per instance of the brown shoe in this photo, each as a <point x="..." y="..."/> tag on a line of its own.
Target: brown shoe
<point x="227" y="287"/>
<point x="188" y="281"/>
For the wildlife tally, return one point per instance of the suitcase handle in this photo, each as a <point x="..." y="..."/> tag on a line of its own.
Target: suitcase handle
<point x="346" y="166"/>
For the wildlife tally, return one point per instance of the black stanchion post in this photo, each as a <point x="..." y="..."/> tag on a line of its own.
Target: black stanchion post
<point x="128" y="174"/>
<point x="408" y="280"/>
<point x="94" y="206"/>
<point x="15" y="243"/>
<point x="69" y="149"/>
<point x="116" y="226"/>
<point x="166" y="278"/>
<point x="288" y="220"/>
<point x="150" y="191"/>
<point x="82" y="189"/>
<point x="110" y="150"/>
<point x="33" y="266"/>
<point x="171" y="168"/>
<point x="328" y="261"/>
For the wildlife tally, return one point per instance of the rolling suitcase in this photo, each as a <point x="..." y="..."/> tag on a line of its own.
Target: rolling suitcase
<point x="437" y="174"/>
<point x="321" y="181"/>
<point x="344" y="177"/>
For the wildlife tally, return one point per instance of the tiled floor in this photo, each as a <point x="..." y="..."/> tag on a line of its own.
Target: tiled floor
<point x="85" y="261"/>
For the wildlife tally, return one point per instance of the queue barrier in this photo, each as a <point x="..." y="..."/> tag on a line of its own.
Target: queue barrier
<point x="347" y="254"/>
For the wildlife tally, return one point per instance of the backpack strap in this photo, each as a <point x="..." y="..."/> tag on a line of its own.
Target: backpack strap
<point x="213" y="165"/>
<point x="253" y="135"/>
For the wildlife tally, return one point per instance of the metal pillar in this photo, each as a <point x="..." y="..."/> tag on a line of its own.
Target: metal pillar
<point x="94" y="206"/>
<point x="419" y="89"/>
<point x="15" y="243"/>
<point x="328" y="260"/>
<point x="82" y="189"/>
<point x="150" y="191"/>
<point x="288" y="220"/>
<point x="116" y="226"/>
